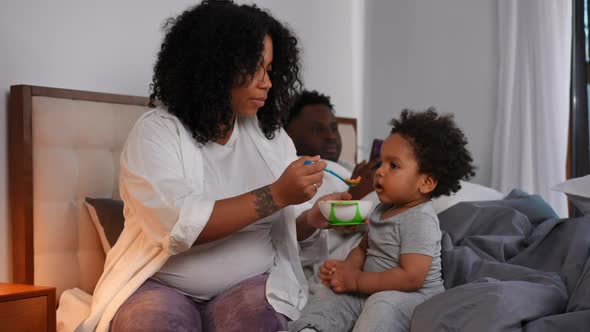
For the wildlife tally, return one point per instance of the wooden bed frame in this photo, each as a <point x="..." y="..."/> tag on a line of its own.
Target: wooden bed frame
<point x="20" y="152"/>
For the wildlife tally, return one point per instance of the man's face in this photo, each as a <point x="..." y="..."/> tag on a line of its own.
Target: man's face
<point x="315" y="132"/>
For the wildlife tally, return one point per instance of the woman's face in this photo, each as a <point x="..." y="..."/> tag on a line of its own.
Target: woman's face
<point x="248" y="98"/>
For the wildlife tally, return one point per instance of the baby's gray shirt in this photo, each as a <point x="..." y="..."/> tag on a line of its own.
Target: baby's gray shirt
<point x="414" y="231"/>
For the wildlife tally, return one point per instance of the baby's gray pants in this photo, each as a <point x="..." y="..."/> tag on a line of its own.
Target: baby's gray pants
<point x="327" y="311"/>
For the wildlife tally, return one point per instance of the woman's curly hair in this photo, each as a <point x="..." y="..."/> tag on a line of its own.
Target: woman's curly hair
<point x="439" y="146"/>
<point x="211" y="48"/>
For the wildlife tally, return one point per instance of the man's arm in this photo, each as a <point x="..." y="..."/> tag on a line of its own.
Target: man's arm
<point x="365" y="171"/>
<point x="304" y="230"/>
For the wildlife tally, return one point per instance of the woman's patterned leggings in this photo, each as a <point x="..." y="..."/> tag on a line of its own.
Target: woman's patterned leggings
<point x="156" y="307"/>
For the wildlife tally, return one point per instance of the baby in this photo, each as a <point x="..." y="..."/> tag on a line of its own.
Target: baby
<point x="397" y="265"/>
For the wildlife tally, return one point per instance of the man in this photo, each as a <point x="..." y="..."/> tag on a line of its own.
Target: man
<point x="313" y="128"/>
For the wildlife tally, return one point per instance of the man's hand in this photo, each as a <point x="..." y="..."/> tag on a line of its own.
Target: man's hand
<point x="366" y="171"/>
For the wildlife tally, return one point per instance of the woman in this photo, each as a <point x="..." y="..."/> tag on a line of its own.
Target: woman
<point x="211" y="185"/>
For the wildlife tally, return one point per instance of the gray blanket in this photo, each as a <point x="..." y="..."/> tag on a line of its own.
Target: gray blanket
<point x="510" y="265"/>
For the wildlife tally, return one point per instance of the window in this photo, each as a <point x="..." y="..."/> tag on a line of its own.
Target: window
<point x="579" y="140"/>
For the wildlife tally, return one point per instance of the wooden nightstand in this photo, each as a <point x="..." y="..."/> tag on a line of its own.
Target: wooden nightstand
<point x="27" y="308"/>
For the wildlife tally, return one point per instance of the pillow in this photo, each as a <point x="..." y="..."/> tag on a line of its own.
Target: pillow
<point x="578" y="192"/>
<point x="107" y="217"/>
<point x="534" y="207"/>
<point x="469" y="192"/>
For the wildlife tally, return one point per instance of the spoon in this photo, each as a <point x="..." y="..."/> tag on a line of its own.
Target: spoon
<point x="349" y="182"/>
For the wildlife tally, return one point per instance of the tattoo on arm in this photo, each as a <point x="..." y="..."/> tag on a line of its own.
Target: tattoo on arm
<point x="265" y="204"/>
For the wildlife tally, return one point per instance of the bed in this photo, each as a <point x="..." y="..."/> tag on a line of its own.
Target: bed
<point x="509" y="263"/>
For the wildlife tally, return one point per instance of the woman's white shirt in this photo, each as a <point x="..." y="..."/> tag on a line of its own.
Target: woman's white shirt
<point x="166" y="208"/>
<point x="221" y="264"/>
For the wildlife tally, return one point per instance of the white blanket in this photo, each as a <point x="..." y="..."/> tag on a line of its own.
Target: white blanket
<point x="74" y="307"/>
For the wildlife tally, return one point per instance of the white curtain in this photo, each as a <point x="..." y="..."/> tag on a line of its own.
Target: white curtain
<point x="530" y="138"/>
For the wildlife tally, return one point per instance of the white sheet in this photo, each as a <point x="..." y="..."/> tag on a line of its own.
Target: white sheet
<point x="469" y="192"/>
<point x="74" y="307"/>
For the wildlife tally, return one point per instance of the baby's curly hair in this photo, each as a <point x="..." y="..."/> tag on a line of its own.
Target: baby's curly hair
<point x="439" y="146"/>
<point x="209" y="49"/>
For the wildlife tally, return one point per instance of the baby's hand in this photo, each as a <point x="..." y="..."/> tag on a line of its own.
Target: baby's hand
<point x="327" y="270"/>
<point x="344" y="278"/>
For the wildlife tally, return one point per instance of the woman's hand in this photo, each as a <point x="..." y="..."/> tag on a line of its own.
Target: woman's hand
<point x="339" y="276"/>
<point x="344" y="230"/>
<point x="299" y="182"/>
<point x="315" y="218"/>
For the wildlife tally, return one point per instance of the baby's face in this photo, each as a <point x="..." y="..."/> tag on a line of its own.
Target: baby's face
<point x="397" y="179"/>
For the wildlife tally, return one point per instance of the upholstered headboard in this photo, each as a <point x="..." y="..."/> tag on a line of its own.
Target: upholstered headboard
<point x="64" y="145"/>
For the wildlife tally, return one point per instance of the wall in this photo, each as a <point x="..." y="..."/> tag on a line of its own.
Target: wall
<point x="328" y="32"/>
<point x="423" y="53"/>
<point x="69" y="44"/>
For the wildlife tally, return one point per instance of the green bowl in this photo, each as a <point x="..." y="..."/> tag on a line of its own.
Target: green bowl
<point x="346" y="213"/>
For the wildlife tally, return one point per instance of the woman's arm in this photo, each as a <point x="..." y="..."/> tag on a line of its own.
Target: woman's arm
<point x="294" y="186"/>
<point x="232" y="214"/>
